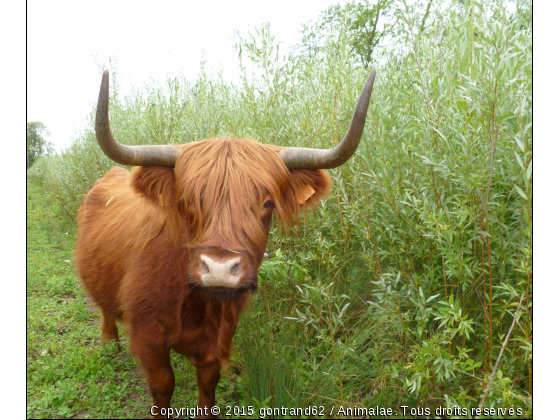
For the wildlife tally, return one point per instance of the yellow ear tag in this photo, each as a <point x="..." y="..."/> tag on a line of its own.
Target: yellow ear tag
<point x="305" y="193"/>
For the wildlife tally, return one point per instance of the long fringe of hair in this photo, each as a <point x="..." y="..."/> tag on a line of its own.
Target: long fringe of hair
<point x="218" y="187"/>
<point x="222" y="185"/>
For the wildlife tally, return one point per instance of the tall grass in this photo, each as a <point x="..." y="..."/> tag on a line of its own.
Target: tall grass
<point x="402" y="285"/>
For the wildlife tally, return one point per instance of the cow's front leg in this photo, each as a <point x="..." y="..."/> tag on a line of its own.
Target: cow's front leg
<point x="153" y="354"/>
<point x="208" y="376"/>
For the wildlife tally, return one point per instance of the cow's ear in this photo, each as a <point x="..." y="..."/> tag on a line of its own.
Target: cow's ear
<point x="155" y="183"/>
<point x="307" y="187"/>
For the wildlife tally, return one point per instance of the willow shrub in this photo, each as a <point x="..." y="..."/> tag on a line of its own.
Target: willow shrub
<point x="406" y="278"/>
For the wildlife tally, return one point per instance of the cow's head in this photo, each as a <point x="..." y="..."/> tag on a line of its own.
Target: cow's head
<point x="219" y="194"/>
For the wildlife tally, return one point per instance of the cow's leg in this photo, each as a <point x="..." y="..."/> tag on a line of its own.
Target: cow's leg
<point x="153" y="354"/>
<point x="208" y="376"/>
<point x="110" y="330"/>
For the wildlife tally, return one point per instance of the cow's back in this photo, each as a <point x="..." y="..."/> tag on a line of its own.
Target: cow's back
<point x="114" y="222"/>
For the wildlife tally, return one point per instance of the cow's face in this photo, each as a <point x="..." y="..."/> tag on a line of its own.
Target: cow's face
<point x="221" y="196"/>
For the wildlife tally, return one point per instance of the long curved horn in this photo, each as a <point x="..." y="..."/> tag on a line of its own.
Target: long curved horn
<point x="306" y="158"/>
<point x="162" y="155"/>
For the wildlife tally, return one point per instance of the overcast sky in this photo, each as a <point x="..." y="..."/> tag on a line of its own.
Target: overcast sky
<point x="67" y="41"/>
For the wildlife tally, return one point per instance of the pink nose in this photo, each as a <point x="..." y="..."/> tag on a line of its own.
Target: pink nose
<point x="219" y="272"/>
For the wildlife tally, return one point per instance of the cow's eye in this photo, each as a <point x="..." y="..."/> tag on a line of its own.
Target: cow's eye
<point x="268" y="204"/>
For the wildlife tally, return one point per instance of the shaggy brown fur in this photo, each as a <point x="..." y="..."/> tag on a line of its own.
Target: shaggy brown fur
<point x="140" y="234"/>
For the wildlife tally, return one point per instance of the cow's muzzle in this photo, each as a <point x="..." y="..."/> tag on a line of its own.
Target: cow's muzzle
<point x="222" y="271"/>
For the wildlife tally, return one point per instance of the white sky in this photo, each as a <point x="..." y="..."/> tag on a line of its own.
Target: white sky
<point x="68" y="40"/>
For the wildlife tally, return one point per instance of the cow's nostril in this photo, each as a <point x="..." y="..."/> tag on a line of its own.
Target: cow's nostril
<point x="204" y="268"/>
<point x="235" y="270"/>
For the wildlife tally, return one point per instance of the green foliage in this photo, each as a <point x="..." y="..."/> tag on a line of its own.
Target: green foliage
<point x="365" y="23"/>
<point x="369" y="27"/>
<point x="401" y="286"/>
<point x="36" y="144"/>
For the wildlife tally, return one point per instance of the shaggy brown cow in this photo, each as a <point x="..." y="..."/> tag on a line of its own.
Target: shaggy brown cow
<point x="174" y="246"/>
